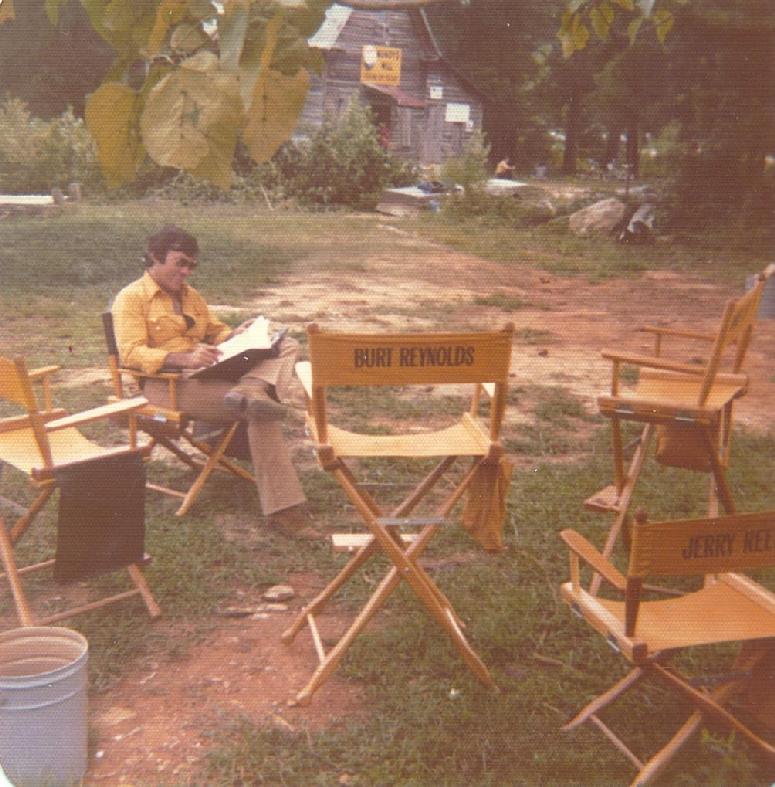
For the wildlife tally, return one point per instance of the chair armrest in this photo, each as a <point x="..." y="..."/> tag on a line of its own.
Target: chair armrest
<point x="653" y="362"/>
<point x="677" y="332"/>
<point x="303" y="371"/>
<point x="43" y="371"/>
<point x="581" y="547"/>
<point x="97" y="413"/>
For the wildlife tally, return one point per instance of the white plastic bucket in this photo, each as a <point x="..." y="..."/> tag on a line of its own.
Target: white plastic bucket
<point x="43" y="705"/>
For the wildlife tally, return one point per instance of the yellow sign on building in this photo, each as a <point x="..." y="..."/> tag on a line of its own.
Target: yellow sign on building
<point x="381" y="65"/>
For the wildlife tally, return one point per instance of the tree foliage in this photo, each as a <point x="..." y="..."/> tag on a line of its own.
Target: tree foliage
<point x="191" y="77"/>
<point x="584" y="18"/>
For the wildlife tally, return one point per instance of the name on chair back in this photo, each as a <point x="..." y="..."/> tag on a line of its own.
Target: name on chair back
<point x="386" y="357"/>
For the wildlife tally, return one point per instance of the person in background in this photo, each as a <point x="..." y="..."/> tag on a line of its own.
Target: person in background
<point x="162" y="322"/>
<point x="504" y="168"/>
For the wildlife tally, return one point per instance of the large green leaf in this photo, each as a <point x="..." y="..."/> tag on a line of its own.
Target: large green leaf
<point x="168" y="14"/>
<point x="112" y="117"/>
<point x="192" y="118"/>
<point x="274" y="113"/>
<point x="6" y="11"/>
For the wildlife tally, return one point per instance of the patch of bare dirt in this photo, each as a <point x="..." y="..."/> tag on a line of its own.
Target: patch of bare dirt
<point x="153" y="727"/>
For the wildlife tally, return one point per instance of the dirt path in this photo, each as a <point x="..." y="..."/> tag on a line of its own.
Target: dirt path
<point x="151" y="727"/>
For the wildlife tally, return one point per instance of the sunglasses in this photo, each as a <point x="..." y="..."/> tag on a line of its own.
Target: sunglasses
<point x="186" y="262"/>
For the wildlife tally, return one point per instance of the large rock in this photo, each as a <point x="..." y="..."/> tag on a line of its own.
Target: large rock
<point x="601" y="217"/>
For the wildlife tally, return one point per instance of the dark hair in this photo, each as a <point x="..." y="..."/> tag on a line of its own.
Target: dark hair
<point x="169" y="238"/>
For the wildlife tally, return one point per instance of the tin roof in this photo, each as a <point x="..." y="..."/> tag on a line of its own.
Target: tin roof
<point x="328" y="33"/>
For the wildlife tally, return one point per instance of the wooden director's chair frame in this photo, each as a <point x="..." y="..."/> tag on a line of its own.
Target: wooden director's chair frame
<point x="39" y="443"/>
<point x="166" y="425"/>
<point x="689" y="407"/>
<point x="729" y="608"/>
<point x="354" y="359"/>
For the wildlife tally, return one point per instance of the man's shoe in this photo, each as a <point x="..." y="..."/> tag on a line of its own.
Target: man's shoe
<point x="294" y="522"/>
<point x="253" y="401"/>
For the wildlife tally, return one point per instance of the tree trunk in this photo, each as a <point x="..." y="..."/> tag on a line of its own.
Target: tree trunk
<point x="633" y="148"/>
<point x="612" y="142"/>
<point x="572" y="129"/>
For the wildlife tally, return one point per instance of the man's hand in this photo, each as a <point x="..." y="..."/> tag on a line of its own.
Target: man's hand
<point x="201" y="355"/>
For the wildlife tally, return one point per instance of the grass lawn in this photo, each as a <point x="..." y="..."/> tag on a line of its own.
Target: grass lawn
<point x="427" y="721"/>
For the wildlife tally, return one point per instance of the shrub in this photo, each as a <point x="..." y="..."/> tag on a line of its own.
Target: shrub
<point x="341" y="164"/>
<point x="38" y="155"/>
<point x="469" y="169"/>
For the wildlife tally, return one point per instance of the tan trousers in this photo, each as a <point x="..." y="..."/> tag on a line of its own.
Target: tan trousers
<point x="276" y="479"/>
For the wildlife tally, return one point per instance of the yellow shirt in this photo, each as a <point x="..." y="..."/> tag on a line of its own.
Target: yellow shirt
<point x="147" y="327"/>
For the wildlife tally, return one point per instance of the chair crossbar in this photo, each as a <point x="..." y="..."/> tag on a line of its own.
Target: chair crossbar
<point x="407" y="521"/>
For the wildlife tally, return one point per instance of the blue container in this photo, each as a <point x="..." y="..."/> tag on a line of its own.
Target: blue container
<point x="767" y="303"/>
<point x="43" y="705"/>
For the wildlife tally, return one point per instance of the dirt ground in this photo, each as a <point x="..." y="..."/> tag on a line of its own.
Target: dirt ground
<point x="151" y="727"/>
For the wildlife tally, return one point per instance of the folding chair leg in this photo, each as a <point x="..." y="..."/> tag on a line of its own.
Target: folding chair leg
<point x="624" y="498"/>
<point x="606" y="698"/>
<point x="719" y="475"/>
<point x="212" y="461"/>
<point x="24" y="521"/>
<point x="141" y="584"/>
<point x="26" y="616"/>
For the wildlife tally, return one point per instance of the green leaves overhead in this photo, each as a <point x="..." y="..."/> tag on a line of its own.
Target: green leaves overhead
<point x="112" y="115"/>
<point x="6" y="11"/>
<point x="191" y="77"/>
<point x="192" y="117"/>
<point x="278" y="101"/>
<point x="601" y="15"/>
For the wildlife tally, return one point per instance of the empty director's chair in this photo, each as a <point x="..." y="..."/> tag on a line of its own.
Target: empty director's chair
<point x="365" y="360"/>
<point x="730" y="608"/>
<point x="167" y="426"/>
<point x="688" y="406"/>
<point x="42" y="443"/>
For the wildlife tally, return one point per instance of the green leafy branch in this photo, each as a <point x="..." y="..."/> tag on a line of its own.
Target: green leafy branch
<point x="581" y="18"/>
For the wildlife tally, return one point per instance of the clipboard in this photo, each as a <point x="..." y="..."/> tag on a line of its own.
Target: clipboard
<point x="236" y="366"/>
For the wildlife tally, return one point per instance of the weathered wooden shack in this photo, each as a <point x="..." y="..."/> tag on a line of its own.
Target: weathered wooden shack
<point x="424" y="109"/>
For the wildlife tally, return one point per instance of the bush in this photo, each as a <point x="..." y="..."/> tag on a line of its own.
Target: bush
<point x="38" y="155"/>
<point x="341" y="164"/>
<point x="469" y="169"/>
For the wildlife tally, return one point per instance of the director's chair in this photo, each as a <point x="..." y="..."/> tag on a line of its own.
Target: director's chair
<point x="395" y="359"/>
<point x="39" y="443"/>
<point x="649" y="634"/>
<point x="168" y="426"/>
<point x="687" y="406"/>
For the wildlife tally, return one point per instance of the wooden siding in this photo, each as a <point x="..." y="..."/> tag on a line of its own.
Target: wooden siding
<point x="422" y="135"/>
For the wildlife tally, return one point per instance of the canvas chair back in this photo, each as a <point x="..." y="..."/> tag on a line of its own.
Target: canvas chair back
<point x="16" y="388"/>
<point x="394" y="359"/>
<point x="696" y="547"/>
<point x="15" y="385"/>
<point x="736" y="330"/>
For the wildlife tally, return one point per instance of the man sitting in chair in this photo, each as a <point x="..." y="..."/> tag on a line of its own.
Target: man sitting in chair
<point x="161" y="322"/>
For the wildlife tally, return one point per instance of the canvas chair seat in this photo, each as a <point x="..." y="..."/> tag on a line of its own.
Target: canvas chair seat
<point x="398" y="532"/>
<point x="730" y="608"/>
<point x="466" y="438"/>
<point x="720" y="612"/>
<point x="18" y="448"/>
<point x="672" y="394"/>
